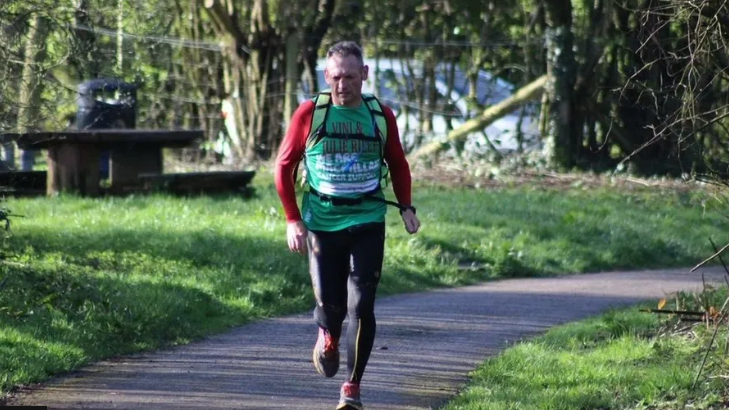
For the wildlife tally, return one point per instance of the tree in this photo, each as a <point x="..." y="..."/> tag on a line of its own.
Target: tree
<point x="255" y="45"/>
<point x="688" y="86"/>
<point x="632" y="79"/>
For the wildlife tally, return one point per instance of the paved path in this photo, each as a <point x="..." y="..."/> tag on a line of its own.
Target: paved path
<point x="426" y="345"/>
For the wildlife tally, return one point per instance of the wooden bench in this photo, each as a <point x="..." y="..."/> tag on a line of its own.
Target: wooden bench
<point x="23" y="183"/>
<point x="198" y="182"/>
<point x="74" y="156"/>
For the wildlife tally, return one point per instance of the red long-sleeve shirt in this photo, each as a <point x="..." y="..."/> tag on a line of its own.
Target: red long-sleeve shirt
<point x="293" y="146"/>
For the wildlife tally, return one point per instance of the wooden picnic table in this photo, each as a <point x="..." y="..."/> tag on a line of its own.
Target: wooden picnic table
<point x="74" y="155"/>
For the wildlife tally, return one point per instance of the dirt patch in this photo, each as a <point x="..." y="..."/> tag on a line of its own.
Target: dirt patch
<point x="479" y="175"/>
<point x="456" y="175"/>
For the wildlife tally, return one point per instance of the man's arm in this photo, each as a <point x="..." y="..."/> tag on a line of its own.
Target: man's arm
<point x="396" y="161"/>
<point x="400" y="172"/>
<point x="289" y="154"/>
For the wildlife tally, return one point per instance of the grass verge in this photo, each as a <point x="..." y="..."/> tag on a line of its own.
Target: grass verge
<point x="624" y="359"/>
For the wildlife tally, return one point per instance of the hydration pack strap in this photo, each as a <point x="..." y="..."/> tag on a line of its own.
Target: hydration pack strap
<point x="339" y="201"/>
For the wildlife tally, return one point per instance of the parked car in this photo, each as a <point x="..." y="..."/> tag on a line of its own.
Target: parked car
<point x="396" y="82"/>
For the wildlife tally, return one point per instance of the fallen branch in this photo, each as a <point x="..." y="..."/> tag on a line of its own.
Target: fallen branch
<point x="708" y="350"/>
<point x="491" y="114"/>
<point x="707" y="260"/>
<point x="635" y="181"/>
<point x="726" y="269"/>
<point x="674" y="312"/>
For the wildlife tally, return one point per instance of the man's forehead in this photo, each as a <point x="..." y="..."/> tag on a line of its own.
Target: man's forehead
<point x="343" y="65"/>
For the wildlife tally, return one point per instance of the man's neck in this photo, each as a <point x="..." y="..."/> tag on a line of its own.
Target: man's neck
<point x="354" y="104"/>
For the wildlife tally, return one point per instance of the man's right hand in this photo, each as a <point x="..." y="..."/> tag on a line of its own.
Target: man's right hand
<point x="296" y="234"/>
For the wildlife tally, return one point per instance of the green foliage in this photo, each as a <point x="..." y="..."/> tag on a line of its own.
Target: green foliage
<point x="173" y="49"/>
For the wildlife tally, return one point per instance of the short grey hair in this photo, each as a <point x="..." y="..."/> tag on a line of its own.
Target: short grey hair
<point x="346" y="49"/>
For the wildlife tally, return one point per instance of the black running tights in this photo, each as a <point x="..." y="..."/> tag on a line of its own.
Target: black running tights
<point x="345" y="268"/>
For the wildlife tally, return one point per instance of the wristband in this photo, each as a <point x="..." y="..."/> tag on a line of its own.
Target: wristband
<point x="405" y="208"/>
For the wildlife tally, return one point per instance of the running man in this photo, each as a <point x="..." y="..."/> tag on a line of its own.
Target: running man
<point x="346" y="142"/>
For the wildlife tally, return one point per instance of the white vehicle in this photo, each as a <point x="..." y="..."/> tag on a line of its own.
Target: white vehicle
<point x="396" y="83"/>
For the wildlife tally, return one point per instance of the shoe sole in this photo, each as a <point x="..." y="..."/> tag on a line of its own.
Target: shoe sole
<point x="349" y="407"/>
<point x="319" y="368"/>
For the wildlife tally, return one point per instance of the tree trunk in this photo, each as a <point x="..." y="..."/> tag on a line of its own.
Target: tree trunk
<point x="560" y="141"/>
<point x="313" y="36"/>
<point x="430" y="97"/>
<point x="478" y="57"/>
<point x="31" y="83"/>
<point x="293" y="49"/>
<point x="120" y="38"/>
<point x="85" y="57"/>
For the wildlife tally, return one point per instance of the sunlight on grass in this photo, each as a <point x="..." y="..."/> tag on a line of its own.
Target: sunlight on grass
<point x="89" y="278"/>
<point x="30" y="357"/>
<point x="614" y="361"/>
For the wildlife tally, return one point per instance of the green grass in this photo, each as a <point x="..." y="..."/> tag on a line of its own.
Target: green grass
<point x="616" y="361"/>
<point x="523" y="231"/>
<point x="82" y="279"/>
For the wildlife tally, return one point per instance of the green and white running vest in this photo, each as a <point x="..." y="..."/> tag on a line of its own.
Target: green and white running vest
<point x="344" y="162"/>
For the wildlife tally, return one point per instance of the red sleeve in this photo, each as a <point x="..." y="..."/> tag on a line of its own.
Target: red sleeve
<point x="289" y="154"/>
<point x="396" y="161"/>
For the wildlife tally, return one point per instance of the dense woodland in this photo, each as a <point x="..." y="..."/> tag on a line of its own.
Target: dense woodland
<point x="636" y="84"/>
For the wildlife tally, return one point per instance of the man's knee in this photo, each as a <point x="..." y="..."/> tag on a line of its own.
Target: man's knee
<point x="365" y="283"/>
<point x="362" y="301"/>
<point x="330" y="313"/>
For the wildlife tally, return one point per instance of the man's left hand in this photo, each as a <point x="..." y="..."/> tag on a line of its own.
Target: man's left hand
<point x="412" y="224"/>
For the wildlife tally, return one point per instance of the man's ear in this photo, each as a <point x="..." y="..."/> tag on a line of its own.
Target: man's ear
<point x="365" y="72"/>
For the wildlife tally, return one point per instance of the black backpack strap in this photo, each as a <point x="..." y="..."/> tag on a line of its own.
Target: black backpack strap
<point x="317" y="128"/>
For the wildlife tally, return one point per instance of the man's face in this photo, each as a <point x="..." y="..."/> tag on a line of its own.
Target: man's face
<point x="345" y="76"/>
